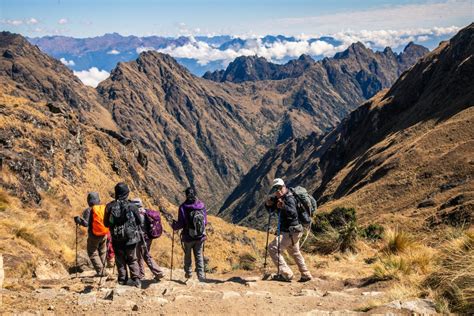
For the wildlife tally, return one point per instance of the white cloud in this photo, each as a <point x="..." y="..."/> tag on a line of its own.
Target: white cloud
<point x="12" y="22"/>
<point x="378" y="39"/>
<point x="393" y="38"/>
<point x="63" y="21"/>
<point x="32" y="21"/>
<point x="67" y="62"/>
<point x="92" y="77"/>
<point x="113" y="52"/>
<point x="417" y="15"/>
<point x="205" y="53"/>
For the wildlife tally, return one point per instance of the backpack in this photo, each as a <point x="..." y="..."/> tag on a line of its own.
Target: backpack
<point x="153" y="227"/>
<point x="196" y="224"/>
<point x="98" y="228"/>
<point x="124" y="226"/>
<point x="305" y="204"/>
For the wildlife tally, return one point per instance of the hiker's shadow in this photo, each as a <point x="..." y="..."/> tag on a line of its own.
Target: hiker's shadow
<point x="238" y="280"/>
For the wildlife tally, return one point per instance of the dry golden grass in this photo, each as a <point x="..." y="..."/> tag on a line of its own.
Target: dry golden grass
<point x="453" y="278"/>
<point x="398" y="241"/>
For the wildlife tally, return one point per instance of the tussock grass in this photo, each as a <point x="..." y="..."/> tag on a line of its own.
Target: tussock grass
<point x="453" y="278"/>
<point x="398" y="241"/>
<point x="401" y="257"/>
<point x="4" y="201"/>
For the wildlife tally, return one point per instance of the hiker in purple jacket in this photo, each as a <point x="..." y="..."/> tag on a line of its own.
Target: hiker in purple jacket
<point x="192" y="219"/>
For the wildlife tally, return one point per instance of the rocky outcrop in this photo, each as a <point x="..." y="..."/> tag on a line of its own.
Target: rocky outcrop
<point x="254" y="68"/>
<point x="388" y="155"/>
<point x="27" y="72"/>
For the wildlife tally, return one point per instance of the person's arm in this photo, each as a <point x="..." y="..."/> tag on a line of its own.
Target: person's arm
<point x="84" y="220"/>
<point x="107" y="216"/>
<point x="177" y="225"/>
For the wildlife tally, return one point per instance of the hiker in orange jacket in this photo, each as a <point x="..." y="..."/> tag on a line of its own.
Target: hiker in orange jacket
<point x="93" y="218"/>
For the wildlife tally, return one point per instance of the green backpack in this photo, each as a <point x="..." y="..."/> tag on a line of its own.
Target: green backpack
<point x="305" y="204"/>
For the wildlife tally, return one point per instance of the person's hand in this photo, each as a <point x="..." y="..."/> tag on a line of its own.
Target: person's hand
<point x="77" y="220"/>
<point x="280" y="204"/>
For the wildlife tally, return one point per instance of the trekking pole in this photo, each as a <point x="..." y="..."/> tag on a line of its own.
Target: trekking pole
<point x="77" y="233"/>
<point x="172" y="252"/>
<point x="266" y="244"/>
<point x="203" y="256"/>
<point x="278" y="240"/>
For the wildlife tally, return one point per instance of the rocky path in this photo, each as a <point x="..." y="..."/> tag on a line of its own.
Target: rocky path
<point x="221" y="294"/>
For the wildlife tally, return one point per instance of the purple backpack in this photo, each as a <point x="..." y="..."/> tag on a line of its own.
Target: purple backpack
<point x="154" y="229"/>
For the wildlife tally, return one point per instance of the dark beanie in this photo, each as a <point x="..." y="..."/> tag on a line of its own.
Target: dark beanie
<point x="121" y="191"/>
<point x="190" y="194"/>
<point x="93" y="198"/>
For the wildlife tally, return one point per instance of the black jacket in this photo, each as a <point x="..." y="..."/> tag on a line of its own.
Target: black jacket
<point x="289" y="213"/>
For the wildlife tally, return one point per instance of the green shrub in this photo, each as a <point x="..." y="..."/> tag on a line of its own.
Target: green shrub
<point x="373" y="232"/>
<point x="334" y="231"/>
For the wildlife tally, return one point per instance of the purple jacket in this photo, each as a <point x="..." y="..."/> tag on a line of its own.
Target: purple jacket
<point x="183" y="217"/>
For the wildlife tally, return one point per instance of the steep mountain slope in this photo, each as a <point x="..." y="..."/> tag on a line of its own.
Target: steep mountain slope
<point x="197" y="132"/>
<point x="178" y="118"/>
<point x="29" y="73"/>
<point x="405" y="154"/>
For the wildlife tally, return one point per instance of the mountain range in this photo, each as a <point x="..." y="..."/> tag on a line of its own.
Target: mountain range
<point x="404" y="157"/>
<point x="198" y="54"/>
<point x="192" y="131"/>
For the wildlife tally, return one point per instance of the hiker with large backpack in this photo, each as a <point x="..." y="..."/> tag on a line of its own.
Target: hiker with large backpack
<point x="93" y="218"/>
<point x="123" y="219"/>
<point x="290" y="231"/>
<point x="192" y="219"/>
<point x="151" y="229"/>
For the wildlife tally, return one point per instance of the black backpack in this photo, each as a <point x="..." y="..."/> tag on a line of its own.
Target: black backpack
<point x="124" y="228"/>
<point x="305" y="204"/>
<point x="196" y="224"/>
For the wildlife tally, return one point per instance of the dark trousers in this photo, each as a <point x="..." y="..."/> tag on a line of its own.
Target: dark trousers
<point x="126" y="256"/>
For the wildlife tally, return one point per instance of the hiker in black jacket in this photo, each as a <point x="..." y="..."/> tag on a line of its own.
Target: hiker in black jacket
<point x="124" y="221"/>
<point x="290" y="231"/>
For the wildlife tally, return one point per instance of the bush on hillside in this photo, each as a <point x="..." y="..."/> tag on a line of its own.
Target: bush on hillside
<point x="373" y="232"/>
<point x="334" y="231"/>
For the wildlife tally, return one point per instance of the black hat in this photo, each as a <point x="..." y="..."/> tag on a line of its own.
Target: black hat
<point x="121" y="191"/>
<point x="190" y="192"/>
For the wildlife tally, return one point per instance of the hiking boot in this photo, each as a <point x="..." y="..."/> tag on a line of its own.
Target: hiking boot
<point x="305" y="278"/>
<point x="281" y="278"/>
<point x="188" y="275"/>
<point x="122" y="282"/>
<point x="158" y="277"/>
<point x="137" y="283"/>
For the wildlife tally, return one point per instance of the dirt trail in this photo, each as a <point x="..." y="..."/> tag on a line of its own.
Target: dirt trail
<point x="243" y="294"/>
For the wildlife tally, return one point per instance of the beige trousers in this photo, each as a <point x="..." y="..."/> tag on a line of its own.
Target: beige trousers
<point x="290" y="243"/>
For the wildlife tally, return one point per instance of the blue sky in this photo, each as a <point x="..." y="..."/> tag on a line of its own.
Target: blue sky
<point x="87" y="18"/>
